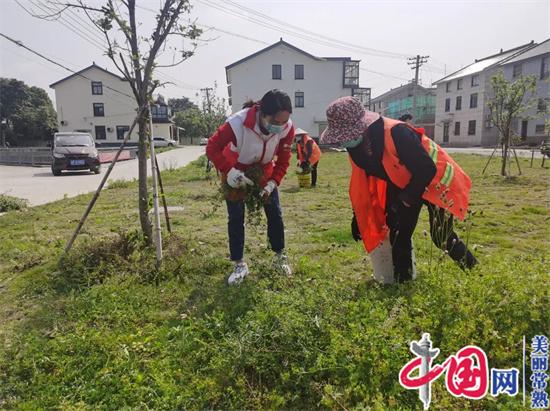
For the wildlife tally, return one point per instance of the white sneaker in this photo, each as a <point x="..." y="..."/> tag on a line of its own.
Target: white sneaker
<point x="239" y="272"/>
<point x="281" y="263"/>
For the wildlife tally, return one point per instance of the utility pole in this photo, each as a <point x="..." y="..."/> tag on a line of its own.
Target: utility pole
<point x="416" y="63"/>
<point x="207" y="91"/>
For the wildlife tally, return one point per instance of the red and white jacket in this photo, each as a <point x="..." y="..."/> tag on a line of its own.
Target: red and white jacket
<point x="239" y="143"/>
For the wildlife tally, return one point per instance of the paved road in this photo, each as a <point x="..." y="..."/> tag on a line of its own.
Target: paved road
<point x="39" y="186"/>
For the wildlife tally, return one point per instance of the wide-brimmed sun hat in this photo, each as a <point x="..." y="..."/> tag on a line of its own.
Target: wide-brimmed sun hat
<point x="347" y="120"/>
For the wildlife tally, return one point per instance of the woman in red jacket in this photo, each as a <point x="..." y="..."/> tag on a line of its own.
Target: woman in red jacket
<point x="261" y="133"/>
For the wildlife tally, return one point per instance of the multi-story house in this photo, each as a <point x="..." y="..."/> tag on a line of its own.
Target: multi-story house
<point x="98" y="102"/>
<point x="311" y="82"/>
<point x="462" y="115"/>
<point x="399" y="101"/>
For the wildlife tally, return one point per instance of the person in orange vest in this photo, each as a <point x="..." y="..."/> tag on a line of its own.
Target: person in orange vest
<point x="395" y="170"/>
<point x="408" y="118"/>
<point x="308" y="153"/>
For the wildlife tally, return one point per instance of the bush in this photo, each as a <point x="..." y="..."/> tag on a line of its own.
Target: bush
<point x="8" y="203"/>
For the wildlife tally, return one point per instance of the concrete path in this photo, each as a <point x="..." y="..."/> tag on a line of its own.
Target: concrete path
<point x="39" y="186"/>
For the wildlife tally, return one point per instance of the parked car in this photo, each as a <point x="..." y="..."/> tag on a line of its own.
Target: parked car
<point x="74" y="151"/>
<point x="164" y="142"/>
<point x="203" y="141"/>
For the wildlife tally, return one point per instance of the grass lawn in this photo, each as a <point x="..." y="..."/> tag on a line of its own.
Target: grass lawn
<point x="105" y="329"/>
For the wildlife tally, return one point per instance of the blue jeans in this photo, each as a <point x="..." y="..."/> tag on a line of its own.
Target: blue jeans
<point x="235" y="226"/>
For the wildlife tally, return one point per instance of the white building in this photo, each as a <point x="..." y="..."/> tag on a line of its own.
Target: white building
<point x="101" y="103"/>
<point x="535" y="61"/>
<point x="311" y="82"/>
<point x="462" y="117"/>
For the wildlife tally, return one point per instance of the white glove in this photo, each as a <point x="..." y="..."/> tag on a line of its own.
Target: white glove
<point x="237" y="179"/>
<point x="269" y="187"/>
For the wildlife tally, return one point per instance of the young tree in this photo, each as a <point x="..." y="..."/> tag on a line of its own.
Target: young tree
<point x="507" y="101"/>
<point x="202" y="123"/>
<point x="214" y="109"/>
<point x="136" y="56"/>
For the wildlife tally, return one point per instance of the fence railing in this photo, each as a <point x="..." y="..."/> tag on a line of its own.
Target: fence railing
<point x="42" y="156"/>
<point x="34" y="156"/>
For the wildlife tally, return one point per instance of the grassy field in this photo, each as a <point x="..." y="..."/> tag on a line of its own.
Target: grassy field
<point x="104" y="329"/>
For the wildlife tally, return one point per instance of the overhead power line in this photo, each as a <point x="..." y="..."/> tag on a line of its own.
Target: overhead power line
<point x="94" y="40"/>
<point x="20" y="44"/>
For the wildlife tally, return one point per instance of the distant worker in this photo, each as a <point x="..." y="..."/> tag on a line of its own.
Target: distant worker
<point x="308" y="153"/>
<point x="406" y="118"/>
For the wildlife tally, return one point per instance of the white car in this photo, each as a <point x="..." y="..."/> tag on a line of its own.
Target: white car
<point x="164" y="142"/>
<point x="203" y="141"/>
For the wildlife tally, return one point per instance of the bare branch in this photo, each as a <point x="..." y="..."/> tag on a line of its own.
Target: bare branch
<point x="79" y="6"/>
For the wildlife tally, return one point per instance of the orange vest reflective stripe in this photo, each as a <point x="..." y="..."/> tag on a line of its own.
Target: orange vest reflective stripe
<point x="449" y="189"/>
<point x="315" y="150"/>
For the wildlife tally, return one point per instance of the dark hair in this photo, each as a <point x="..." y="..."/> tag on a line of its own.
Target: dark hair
<point x="406" y="117"/>
<point x="272" y="102"/>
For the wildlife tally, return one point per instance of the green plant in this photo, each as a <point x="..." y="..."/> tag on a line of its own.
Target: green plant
<point x="9" y="203"/>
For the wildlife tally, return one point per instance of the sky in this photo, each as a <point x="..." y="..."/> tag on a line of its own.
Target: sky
<point x="452" y="33"/>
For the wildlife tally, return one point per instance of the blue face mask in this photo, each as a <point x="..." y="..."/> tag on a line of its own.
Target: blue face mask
<point x="272" y="128"/>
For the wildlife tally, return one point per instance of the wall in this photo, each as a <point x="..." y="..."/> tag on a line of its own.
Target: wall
<point x="74" y="103"/>
<point x="321" y="85"/>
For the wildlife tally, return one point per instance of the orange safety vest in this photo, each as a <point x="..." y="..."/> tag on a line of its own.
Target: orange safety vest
<point x="449" y="189"/>
<point x="315" y="150"/>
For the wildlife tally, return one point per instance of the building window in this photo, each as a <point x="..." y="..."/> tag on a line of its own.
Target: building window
<point x="447" y="104"/>
<point x="514" y="124"/>
<point x="475" y="80"/>
<point x="351" y="74"/>
<point x="159" y="111"/>
<point x="473" y="100"/>
<point x="446" y="132"/>
<point x="99" y="111"/>
<point x="539" y="129"/>
<point x="459" y="84"/>
<point x="299" y="71"/>
<point x="97" y="88"/>
<point x="299" y="99"/>
<point x="121" y="132"/>
<point x="276" y="72"/>
<point x="459" y="103"/>
<point x="448" y="87"/>
<point x="545" y="68"/>
<point x="100" y="133"/>
<point x="542" y="105"/>
<point x="516" y="70"/>
<point x="457" y="128"/>
<point x="488" y="121"/>
<point x="471" y="127"/>
<point x="363" y="95"/>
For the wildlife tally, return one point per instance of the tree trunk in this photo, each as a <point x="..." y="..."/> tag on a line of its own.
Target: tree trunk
<point x="142" y="178"/>
<point x="504" y="156"/>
